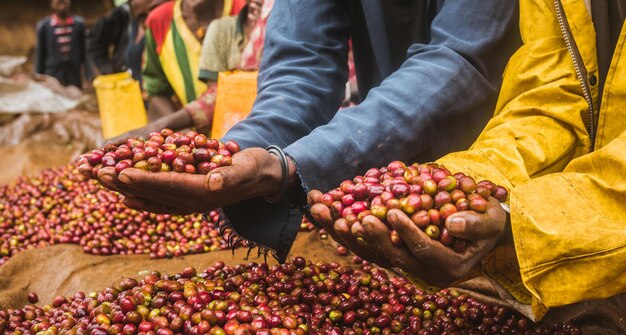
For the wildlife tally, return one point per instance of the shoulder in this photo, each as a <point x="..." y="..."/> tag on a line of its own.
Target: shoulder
<point x="79" y="20"/>
<point x="162" y="15"/>
<point x="43" y="22"/>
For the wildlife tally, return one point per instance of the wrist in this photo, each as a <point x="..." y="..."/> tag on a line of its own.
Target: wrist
<point x="279" y="175"/>
<point x="506" y="236"/>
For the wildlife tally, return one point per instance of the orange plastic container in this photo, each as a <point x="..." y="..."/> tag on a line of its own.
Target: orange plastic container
<point x="236" y="92"/>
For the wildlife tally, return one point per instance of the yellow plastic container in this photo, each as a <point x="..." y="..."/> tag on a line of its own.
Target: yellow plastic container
<point x="120" y="103"/>
<point x="236" y="92"/>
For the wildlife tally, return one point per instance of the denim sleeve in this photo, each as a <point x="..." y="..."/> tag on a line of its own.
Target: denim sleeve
<point x="449" y="79"/>
<point x="303" y="73"/>
<point x="301" y="84"/>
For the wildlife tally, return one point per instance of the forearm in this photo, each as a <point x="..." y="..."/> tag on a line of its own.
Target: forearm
<point x="302" y="75"/>
<point x="415" y="114"/>
<point x="576" y="219"/>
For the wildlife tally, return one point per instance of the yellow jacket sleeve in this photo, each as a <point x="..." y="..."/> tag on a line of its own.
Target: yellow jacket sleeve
<point x="537" y="128"/>
<point x="570" y="228"/>
<point x="537" y="145"/>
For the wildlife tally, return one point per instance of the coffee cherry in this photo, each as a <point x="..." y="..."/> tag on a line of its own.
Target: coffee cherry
<point x="427" y="193"/>
<point x="162" y="153"/>
<point x="315" y="298"/>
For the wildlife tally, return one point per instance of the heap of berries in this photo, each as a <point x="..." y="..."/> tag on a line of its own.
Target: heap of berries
<point x="427" y="193"/>
<point x="164" y="151"/>
<point x="298" y="298"/>
<point x="61" y="206"/>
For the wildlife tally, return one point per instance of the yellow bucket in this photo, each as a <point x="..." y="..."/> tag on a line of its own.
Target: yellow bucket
<point x="120" y="103"/>
<point x="236" y="92"/>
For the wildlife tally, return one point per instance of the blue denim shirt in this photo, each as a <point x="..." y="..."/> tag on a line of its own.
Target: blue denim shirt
<point x="436" y="102"/>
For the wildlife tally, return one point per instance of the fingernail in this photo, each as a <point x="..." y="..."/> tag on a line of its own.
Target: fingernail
<point x="392" y="217"/>
<point x="361" y="241"/>
<point x="216" y="182"/>
<point x="107" y="179"/>
<point x="124" y="178"/>
<point x="456" y="225"/>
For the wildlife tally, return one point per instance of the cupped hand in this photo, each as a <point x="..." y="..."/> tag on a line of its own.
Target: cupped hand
<point x="340" y="231"/>
<point x="254" y="172"/>
<point x="420" y="255"/>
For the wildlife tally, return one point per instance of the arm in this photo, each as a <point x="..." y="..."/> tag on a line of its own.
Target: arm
<point x="395" y="116"/>
<point x="105" y="33"/>
<point x="579" y="229"/>
<point x="537" y="131"/>
<point x="303" y="73"/>
<point x="84" y="60"/>
<point x="40" y="48"/>
<point x="408" y="115"/>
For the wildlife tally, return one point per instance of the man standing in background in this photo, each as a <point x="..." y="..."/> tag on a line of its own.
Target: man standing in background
<point x="60" y="50"/>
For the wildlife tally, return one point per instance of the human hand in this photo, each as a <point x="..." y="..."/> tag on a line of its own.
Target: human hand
<point x="254" y="172"/>
<point x="420" y="256"/>
<point x="340" y="230"/>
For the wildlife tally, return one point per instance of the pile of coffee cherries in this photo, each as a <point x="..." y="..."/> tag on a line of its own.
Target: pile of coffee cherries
<point x="427" y="193"/>
<point x="164" y="151"/>
<point x="62" y="206"/>
<point x="299" y="297"/>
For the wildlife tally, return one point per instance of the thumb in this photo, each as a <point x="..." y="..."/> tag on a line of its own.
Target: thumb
<point x="241" y="171"/>
<point x="321" y="215"/>
<point x="472" y="226"/>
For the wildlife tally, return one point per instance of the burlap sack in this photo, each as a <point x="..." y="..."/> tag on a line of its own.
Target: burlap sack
<point x="65" y="269"/>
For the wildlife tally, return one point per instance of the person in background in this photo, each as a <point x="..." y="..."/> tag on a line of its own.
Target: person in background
<point x="115" y="43"/>
<point x="174" y="32"/>
<point x="60" y="48"/>
<point x="233" y="42"/>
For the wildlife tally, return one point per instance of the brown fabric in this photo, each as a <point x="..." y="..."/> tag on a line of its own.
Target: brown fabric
<point x="32" y="142"/>
<point x="596" y="317"/>
<point x="65" y="269"/>
<point x="608" y="17"/>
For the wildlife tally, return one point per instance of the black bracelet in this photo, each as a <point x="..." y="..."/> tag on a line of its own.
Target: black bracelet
<point x="284" y="164"/>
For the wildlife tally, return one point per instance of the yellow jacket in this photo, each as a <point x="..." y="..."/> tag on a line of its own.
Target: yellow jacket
<point x="564" y="159"/>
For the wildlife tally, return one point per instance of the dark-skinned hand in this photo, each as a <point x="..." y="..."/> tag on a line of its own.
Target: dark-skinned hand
<point x="420" y="256"/>
<point x="254" y="172"/>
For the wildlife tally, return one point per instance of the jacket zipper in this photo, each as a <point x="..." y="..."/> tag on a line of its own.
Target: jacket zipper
<point x="578" y="67"/>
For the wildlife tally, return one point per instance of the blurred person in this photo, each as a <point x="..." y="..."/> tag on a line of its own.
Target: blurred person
<point x="115" y="43"/>
<point x="174" y="32"/>
<point x="233" y="42"/>
<point x="60" y="48"/>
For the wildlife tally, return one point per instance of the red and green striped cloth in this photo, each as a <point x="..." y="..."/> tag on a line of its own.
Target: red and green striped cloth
<point x="173" y="52"/>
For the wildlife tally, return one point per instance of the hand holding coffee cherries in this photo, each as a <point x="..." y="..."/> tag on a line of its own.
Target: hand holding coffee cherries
<point x="420" y="218"/>
<point x="207" y="174"/>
